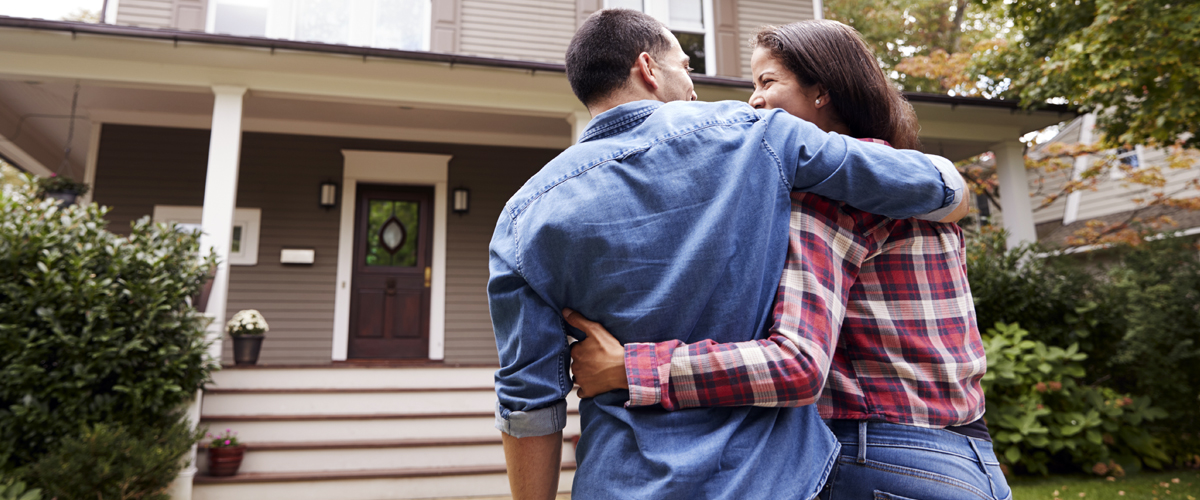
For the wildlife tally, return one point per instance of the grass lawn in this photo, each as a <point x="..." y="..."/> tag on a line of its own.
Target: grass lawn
<point x="1178" y="485"/>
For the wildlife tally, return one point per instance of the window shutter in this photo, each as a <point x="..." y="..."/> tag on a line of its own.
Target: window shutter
<point x="444" y="32"/>
<point x="585" y="8"/>
<point x="728" y="44"/>
<point x="189" y="15"/>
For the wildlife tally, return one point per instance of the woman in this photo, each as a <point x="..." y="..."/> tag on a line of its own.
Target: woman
<point x="901" y="390"/>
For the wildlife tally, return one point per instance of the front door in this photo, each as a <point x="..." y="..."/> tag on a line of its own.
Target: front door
<point x="389" y="305"/>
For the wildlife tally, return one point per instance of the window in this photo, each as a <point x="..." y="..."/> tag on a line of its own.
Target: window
<point x="240" y="17"/>
<point x="1128" y="157"/>
<point x="243" y="250"/>
<point x="688" y="20"/>
<point x="391" y="24"/>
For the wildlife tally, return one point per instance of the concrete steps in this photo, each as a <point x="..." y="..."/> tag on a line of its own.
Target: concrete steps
<point x="361" y="433"/>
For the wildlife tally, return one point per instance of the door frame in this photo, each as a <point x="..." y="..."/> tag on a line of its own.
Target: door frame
<point x="386" y="167"/>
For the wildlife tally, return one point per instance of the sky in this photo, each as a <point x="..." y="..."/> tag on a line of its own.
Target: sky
<point x="46" y="9"/>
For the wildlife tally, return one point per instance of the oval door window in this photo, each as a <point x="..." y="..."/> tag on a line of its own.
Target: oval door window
<point x="394" y="229"/>
<point x="393" y="235"/>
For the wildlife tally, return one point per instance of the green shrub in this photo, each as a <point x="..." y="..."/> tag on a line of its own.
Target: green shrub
<point x="94" y="327"/>
<point x="1041" y="414"/>
<point x="15" y="490"/>
<point x="1133" y="310"/>
<point x="1153" y="292"/>
<point x="109" y="462"/>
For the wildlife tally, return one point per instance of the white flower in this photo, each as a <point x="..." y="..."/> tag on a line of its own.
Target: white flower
<point x="248" y="321"/>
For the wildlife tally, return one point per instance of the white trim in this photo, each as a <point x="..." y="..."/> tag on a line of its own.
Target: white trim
<point x="710" y="39"/>
<point x="22" y="159"/>
<point x="249" y="219"/>
<point x="89" y="168"/>
<point x="1071" y="210"/>
<point x="110" y="15"/>
<point x="818" y="10"/>
<point x="1089" y="248"/>
<point x="392" y="168"/>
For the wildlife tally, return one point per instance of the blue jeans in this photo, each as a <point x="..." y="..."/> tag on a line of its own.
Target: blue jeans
<point x="882" y="461"/>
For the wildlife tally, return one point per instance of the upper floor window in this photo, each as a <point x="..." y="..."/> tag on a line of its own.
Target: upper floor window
<point x="689" y="20"/>
<point x="1130" y="157"/>
<point x="391" y="24"/>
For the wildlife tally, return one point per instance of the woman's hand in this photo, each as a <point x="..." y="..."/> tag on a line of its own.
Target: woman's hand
<point x="597" y="362"/>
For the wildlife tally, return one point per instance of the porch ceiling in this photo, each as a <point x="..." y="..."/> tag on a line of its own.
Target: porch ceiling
<point x="34" y="117"/>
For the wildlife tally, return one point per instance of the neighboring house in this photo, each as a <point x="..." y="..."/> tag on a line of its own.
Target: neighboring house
<point x="1114" y="199"/>
<point x="242" y="116"/>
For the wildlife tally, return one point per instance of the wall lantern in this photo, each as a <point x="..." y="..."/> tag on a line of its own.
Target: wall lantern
<point x="462" y="200"/>
<point x="328" y="195"/>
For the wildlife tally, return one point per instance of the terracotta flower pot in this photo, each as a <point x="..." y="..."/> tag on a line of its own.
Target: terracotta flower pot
<point x="224" y="461"/>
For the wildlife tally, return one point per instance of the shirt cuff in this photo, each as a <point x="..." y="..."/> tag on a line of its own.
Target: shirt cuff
<point x="642" y="373"/>
<point x="955" y="188"/>
<point x="539" y="422"/>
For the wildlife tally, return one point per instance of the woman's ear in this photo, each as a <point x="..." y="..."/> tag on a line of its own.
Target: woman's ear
<point x="822" y="97"/>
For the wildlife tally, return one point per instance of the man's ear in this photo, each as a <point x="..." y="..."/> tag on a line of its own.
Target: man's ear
<point x="645" y="69"/>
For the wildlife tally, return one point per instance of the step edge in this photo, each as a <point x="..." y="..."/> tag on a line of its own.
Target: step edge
<point x="338" y="390"/>
<point x="365" y="416"/>
<point x="377" y="444"/>
<point x="288" y="477"/>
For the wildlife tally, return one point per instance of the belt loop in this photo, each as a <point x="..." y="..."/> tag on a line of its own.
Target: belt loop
<point x="983" y="466"/>
<point x="862" y="441"/>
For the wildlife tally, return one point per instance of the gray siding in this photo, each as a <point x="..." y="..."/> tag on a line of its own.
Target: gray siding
<point x="532" y="30"/>
<point x="754" y="14"/>
<point x="139" y="167"/>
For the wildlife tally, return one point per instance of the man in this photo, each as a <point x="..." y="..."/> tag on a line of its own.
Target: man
<point x="669" y="221"/>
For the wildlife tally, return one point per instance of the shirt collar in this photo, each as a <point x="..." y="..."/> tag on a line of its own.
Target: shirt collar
<point x="619" y="119"/>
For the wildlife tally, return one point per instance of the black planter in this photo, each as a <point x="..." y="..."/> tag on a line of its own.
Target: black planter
<point x="64" y="199"/>
<point x="245" y="349"/>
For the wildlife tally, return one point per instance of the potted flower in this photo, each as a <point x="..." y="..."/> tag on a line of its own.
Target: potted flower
<point x="64" y="189"/>
<point x="247" y="328"/>
<point x="225" y="454"/>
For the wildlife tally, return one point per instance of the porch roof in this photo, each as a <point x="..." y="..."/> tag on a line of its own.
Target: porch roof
<point x="162" y="63"/>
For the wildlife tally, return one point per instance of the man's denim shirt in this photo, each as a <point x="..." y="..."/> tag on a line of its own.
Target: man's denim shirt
<point x="670" y="221"/>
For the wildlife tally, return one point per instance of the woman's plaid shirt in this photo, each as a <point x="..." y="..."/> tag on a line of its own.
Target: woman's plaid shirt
<point x="891" y="295"/>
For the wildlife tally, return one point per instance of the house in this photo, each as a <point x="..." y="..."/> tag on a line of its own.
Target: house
<point x="320" y="145"/>
<point x="1113" y="199"/>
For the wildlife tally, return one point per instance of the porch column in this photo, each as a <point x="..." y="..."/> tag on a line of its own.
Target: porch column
<point x="220" y="199"/>
<point x="1014" y="192"/>
<point x="579" y="121"/>
<point x="216" y="220"/>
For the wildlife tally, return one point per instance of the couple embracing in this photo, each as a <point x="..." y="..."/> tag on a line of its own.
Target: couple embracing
<point x="784" y="287"/>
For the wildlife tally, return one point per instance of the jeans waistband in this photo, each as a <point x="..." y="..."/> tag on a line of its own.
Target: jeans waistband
<point x="861" y="434"/>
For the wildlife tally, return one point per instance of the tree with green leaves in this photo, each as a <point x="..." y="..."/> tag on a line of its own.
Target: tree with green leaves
<point x="1135" y="63"/>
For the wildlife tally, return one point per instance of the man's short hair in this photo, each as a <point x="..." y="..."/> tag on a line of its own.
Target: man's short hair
<point x="606" y="46"/>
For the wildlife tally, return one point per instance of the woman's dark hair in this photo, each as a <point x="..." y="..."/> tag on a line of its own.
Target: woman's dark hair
<point x="606" y="46"/>
<point x="834" y="56"/>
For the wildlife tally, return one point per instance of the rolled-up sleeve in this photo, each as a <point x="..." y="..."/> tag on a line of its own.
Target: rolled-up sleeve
<point x="871" y="177"/>
<point x="532" y="382"/>
<point x="956" y="188"/>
